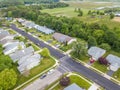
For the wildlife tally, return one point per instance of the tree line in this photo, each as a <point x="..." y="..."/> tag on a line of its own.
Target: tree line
<point x="93" y="33"/>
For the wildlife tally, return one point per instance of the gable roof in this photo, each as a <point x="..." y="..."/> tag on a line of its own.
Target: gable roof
<point x="61" y="37"/>
<point x="19" y="54"/>
<point x="10" y="41"/>
<point x="44" y="29"/>
<point x="29" y="62"/>
<point x="96" y="52"/>
<point x="113" y="59"/>
<point x="13" y="47"/>
<point x="73" y="87"/>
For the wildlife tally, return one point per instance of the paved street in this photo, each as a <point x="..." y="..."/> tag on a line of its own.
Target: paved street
<point x="70" y="65"/>
<point x="40" y="84"/>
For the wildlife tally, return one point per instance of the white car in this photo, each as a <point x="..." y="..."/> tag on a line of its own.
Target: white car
<point x="50" y="71"/>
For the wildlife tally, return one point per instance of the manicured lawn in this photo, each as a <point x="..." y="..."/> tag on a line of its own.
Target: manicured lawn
<point x="116" y="75"/>
<point x="36" y="48"/>
<point x="75" y="79"/>
<point x="45" y="64"/>
<point x="100" y="67"/>
<point x="12" y="32"/>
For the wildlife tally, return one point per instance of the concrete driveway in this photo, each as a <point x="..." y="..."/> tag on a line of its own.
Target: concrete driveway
<point x="41" y="84"/>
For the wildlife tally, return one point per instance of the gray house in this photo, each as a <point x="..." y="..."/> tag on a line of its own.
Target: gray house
<point x="114" y="62"/>
<point x="21" y="53"/>
<point x="63" y="38"/>
<point x="13" y="47"/>
<point x="73" y="87"/>
<point x="29" y="62"/>
<point x="96" y="52"/>
<point x="44" y="29"/>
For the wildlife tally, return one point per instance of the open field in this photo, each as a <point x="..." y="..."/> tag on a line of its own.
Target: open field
<point x="117" y="19"/>
<point x="85" y="7"/>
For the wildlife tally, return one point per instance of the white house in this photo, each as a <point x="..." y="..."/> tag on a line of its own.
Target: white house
<point x="13" y="47"/>
<point x="21" y="53"/>
<point x="96" y="52"/>
<point x="29" y="62"/>
<point x="114" y="62"/>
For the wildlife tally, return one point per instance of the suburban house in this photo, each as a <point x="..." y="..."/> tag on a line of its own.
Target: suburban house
<point x="73" y="87"/>
<point x="21" y="53"/>
<point x="4" y="33"/>
<point x="28" y="62"/>
<point x="63" y="38"/>
<point x="7" y="42"/>
<point x="28" y="24"/>
<point x="96" y="52"/>
<point x="7" y="37"/>
<point x="20" y="20"/>
<point x="114" y="62"/>
<point x="44" y="29"/>
<point x="13" y="47"/>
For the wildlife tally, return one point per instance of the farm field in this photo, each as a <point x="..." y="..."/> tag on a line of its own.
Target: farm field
<point x="85" y="7"/>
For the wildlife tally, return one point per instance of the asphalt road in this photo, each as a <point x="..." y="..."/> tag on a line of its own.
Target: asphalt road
<point x="70" y="65"/>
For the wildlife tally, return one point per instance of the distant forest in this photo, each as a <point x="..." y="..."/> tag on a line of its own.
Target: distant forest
<point x="6" y="3"/>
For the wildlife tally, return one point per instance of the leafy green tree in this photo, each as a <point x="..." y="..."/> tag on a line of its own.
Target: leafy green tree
<point x="45" y="53"/>
<point x="91" y="41"/>
<point x="112" y="16"/>
<point x="79" y="49"/>
<point x="105" y="46"/>
<point x="8" y="78"/>
<point x="99" y="35"/>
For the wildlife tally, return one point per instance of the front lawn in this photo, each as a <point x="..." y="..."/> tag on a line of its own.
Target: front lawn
<point x="75" y="79"/>
<point x="45" y="64"/>
<point x="116" y="75"/>
<point x="100" y="67"/>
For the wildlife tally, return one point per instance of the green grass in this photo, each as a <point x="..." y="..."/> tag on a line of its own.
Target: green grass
<point x="45" y="64"/>
<point x="75" y="79"/>
<point x="100" y="67"/>
<point x="116" y="75"/>
<point x="12" y="31"/>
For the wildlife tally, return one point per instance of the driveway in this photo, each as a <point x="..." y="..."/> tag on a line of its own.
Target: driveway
<point x="40" y="84"/>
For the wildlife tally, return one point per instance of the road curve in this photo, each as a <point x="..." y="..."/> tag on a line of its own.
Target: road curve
<point x="71" y="64"/>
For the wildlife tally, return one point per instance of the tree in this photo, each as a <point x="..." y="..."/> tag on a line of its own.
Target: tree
<point x="99" y="35"/>
<point x="112" y="16"/>
<point x="80" y="13"/>
<point x="8" y="78"/>
<point x="103" y="61"/>
<point x="45" y="52"/>
<point x="65" y="81"/>
<point x="79" y="49"/>
<point x="91" y="41"/>
<point x="105" y="46"/>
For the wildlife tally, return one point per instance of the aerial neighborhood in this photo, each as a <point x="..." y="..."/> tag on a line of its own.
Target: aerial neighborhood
<point x="59" y="45"/>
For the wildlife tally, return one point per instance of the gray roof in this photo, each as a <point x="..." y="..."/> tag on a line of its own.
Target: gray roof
<point x="61" y="37"/>
<point x="44" y="29"/>
<point x="4" y="34"/>
<point x="96" y="52"/>
<point x="6" y="37"/>
<point x="112" y="59"/>
<point x="13" y="47"/>
<point x="29" y="62"/>
<point x="19" y="54"/>
<point x="10" y="41"/>
<point x="73" y="87"/>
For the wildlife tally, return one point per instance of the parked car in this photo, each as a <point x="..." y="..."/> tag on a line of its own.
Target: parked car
<point x="50" y="71"/>
<point x="43" y="76"/>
